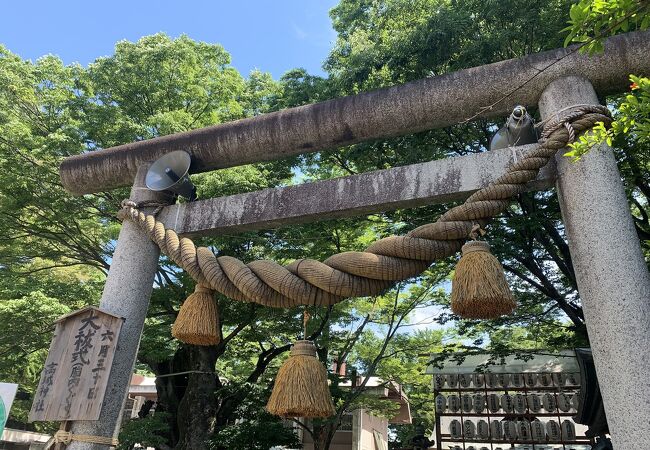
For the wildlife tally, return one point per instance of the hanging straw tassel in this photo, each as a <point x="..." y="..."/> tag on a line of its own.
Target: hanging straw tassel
<point x="479" y="289"/>
<point x="198" y="320"/>
<point x="301" y="388"/>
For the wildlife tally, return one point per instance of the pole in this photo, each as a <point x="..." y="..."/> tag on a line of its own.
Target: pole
<point x="611" y="273"/>
<point x="126" y="293"/>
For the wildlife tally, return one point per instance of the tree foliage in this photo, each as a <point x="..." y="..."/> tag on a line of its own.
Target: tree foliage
<point x="592" y="20"/>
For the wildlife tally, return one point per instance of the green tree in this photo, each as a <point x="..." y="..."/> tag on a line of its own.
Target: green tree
<point x="48" y="266"/>
<point x="56" y="248"/>
<point x="590" y="21"/>
<point x="63" y="244"/>
<point x="383" y="43"/>
<point x="256" y="429"/>
<point x="377" y="343"/>
<point x="167" y="86"/>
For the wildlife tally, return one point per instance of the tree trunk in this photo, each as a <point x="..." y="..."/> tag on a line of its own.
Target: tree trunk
<point x="170" y="389"/>
<point x="197" y="409"/>
<point x="323" y="436"/>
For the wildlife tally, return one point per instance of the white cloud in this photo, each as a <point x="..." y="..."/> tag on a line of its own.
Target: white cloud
<point x="299" y="32"/>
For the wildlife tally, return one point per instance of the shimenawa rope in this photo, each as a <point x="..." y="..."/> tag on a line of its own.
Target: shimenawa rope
<point x="66" y="437"/>
<point x="392" y="259"/>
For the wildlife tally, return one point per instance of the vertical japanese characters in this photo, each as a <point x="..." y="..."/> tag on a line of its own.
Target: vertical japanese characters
<point x="74" y="379"/>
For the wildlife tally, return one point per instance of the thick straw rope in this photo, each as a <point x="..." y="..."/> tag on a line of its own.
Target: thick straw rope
<point x="66" y="437"/>
<point x="395" y="258"/>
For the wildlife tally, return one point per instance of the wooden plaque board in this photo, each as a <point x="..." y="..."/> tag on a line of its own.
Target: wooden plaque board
<point x="73" y="382"/>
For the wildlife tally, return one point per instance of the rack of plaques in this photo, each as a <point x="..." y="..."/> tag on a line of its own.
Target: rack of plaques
<point x="526" y="410"/>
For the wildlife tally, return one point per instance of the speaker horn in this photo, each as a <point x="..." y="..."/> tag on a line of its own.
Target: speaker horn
<point x="518" y="130"/>
<point x="170" y="173"/>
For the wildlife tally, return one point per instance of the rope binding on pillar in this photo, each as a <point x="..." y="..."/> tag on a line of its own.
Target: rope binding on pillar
<point x="66" y="437"/>
<point x="480" y="290"/>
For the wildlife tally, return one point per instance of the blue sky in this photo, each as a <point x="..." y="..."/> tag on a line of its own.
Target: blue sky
<point x="273" y="36"/>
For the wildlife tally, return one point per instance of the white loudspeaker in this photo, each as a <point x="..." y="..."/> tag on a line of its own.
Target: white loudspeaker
<point x="170" y="173"/>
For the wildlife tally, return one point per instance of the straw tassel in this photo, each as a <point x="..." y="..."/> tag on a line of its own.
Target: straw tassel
<point x="198" y="320"/>
<point x="301" y="388"/>
<point x="479" y="289"/>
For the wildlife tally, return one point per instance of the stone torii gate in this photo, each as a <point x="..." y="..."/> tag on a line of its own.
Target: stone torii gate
<point x="612" y="277"/>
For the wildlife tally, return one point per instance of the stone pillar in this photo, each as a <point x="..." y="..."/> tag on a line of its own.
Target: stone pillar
<point x="126" y="293"/>
<point x="611" y="273"/>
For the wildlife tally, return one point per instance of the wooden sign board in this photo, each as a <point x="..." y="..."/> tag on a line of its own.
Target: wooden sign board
<point x="75" y="376"/>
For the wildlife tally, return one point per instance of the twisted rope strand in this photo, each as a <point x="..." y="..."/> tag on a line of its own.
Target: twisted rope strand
<point x="391" y="259"/>
<point x="66" y="437"/>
